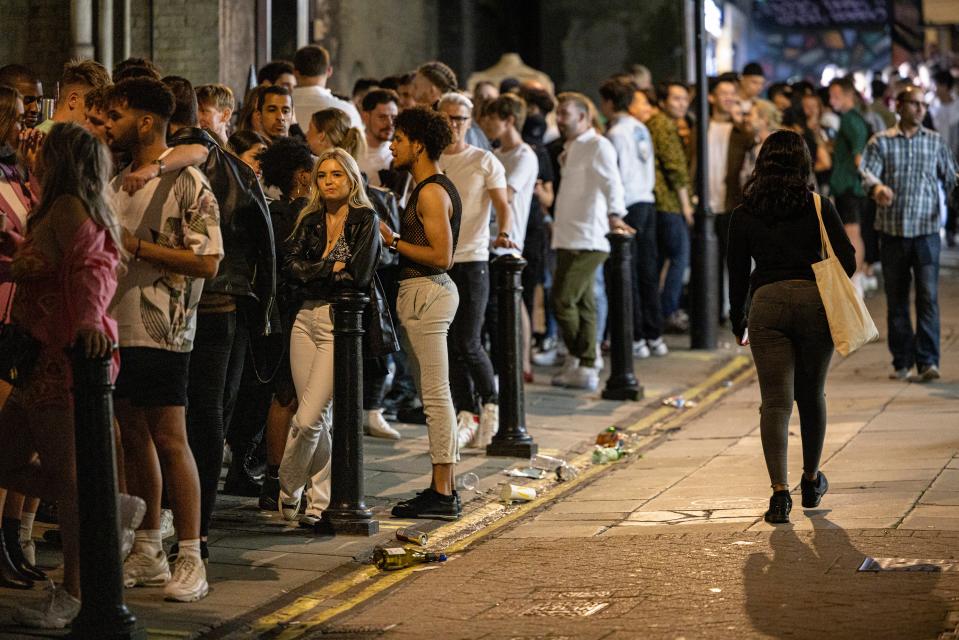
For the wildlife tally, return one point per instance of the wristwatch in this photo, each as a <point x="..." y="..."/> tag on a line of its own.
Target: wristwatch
<point x="504" y="234"/>
<point x="159" y="163"/>
<point x="394" y="244"/>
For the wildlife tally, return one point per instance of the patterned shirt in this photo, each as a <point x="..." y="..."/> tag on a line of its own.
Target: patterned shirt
<point x="672" y="171"/>
<point x="913" y="167"/>
<point x="154" y="307"/>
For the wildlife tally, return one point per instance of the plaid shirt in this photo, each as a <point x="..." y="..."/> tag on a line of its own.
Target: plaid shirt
<point x="913" y="167"/>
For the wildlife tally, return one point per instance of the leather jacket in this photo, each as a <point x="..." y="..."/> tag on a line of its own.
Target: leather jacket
<point x="387" y="208"/>
<point x="248" y="267"/>
<point x="309" y="277"/>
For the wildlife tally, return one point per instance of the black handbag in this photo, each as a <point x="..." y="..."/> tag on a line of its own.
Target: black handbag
<point x="18" y="351"/>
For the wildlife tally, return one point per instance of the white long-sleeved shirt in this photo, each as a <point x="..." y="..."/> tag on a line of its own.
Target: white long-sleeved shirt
<point x="637" y="165"/>
<point x="308" y="100"/>
<point x="591" y="189"/>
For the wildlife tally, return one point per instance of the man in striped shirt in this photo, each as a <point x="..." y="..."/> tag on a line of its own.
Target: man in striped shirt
<point x="902" y="169"/>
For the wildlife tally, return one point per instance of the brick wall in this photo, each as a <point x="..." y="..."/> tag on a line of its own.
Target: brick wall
<point x="186" y="39"/>
<point x="36" y="33"/>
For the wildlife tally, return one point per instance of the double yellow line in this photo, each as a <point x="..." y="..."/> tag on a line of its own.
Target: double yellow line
<point x="492" y="517"/>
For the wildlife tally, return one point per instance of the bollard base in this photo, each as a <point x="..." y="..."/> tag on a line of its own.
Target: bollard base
<point x="348" y="524"/>
<point x="634" y="392"/>
<point x="512" y="449"/>
<point x="115" y="624"/>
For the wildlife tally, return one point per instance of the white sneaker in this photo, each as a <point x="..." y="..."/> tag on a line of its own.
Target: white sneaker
<point x="188" y="583"/>
<point x="640" y="349"/>
<point x="167" y="530"/>
<point x="289" y="510"/>
<point x="547" y="358"/>
<point x="488" y="425"/>
<point x="857" y="283"/>
<point x="657" y="347"/>
<point x="132" y="509"/>
<point x="57" y="613"/>
<point x="141" y="569"/>
<point x="583" y="378"/>
<point x="571" y="364"/>
<point x="376" y="426"/>
<point x="466" y="427"/>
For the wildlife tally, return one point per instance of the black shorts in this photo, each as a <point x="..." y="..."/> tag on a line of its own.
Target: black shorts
<point x="851" y="208"/>
<point x="152" y="377"/>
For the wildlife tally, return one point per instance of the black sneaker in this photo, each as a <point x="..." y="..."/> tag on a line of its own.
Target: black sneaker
<point x="813" y="491"/>
<point x="428" y="504"/>
<point x="270" y="494"/>
<point x="780" y="505"/>
<point x="456" y="497"/>
<point x="411" y="415"/>
<point x="175" y="552"/>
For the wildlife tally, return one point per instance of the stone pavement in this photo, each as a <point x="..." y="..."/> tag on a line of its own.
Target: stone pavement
<point x="259" y="563"/>
<point x="673" y="545"/>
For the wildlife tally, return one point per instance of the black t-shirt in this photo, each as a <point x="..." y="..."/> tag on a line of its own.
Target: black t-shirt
<point x="784" y="248"/>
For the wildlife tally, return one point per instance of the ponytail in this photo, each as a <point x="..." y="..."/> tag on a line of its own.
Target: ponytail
<point x="354" y="143"/>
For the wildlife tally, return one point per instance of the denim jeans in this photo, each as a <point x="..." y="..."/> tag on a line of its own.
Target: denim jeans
<point x="673" y="236"/>
<point x="905" y="260"/>
<point x="791" y="345"/>
<point x="472" y="380"/>
<point x="216" y="366"/>
<point x="647" y="314"/>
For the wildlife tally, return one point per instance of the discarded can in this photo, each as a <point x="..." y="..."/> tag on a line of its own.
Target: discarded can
<point x="466" y="481"/>
<point x="602" y="455"/>
<point x="515" y="493"/>
<point x="393" y="558"/>
<point x="412" y="535"/>
<point x="610" y="437"/>
<point x="566" y="472"/>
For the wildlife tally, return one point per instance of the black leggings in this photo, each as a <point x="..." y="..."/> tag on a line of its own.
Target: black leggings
<point x="791" y="345"/>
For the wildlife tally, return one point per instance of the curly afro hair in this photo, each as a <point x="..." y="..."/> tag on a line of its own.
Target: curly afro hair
<point x="281" y="160"/>
<point x="428" y="127"/>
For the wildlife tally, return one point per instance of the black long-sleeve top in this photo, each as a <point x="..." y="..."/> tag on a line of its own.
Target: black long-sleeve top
<point x="784" y="248"/>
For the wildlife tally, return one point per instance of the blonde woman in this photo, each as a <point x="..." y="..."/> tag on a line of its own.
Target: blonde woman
<point x="335" y="246"/>
<point x="331" y="128"/>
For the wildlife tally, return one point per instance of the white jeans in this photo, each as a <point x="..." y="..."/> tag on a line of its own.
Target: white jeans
<point x="309" y="443"/>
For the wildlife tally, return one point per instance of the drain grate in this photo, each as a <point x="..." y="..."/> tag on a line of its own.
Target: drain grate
<point x="568" y="609"/>
<point x="908" y="564"/>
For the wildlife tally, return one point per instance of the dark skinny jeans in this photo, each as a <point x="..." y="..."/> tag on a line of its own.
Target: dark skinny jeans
<point x="792" y="346"/>
<point x="472" y="380"/>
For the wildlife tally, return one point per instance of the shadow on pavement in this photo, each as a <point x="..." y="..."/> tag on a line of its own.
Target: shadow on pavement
<point x="810" y="587"/>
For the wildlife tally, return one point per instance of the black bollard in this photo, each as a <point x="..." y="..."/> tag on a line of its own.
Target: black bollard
<point x="348" y="513"/>
<point x="622" y="383"/>
<point x="103" y="614"/>
<point x="512" y="439"/>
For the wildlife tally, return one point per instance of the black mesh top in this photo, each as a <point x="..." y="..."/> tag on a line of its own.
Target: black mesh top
<point x="412" y="231"/>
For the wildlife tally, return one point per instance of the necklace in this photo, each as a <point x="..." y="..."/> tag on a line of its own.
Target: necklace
<point x="333" y="235"/>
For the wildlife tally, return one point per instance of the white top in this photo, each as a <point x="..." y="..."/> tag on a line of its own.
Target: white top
<point x="637" y="165"/>
<point x="474" y="172"/>
<point x="153" y="307"/>
<point x="376" y="159"/>
<point x="719" y="134"/>
<point x="309" y="100"/>
<point x="946" y="119"/>
<point x="522" y="167"/>
<point x="589" y="190"/>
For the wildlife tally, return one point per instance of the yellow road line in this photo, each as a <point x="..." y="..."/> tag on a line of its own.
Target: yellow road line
<point x="737" y="370"/>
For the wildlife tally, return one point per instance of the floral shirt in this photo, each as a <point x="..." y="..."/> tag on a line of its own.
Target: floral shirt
<point x="154" y="307"/>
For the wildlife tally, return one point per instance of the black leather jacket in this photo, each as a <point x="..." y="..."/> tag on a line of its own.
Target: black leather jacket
<point x="309" y="277"/>
<point x="248" y="267"/>
<point x="388" y="209"/>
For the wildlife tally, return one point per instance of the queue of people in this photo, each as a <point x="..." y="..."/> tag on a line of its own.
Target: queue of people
<point x="201" y="240"/>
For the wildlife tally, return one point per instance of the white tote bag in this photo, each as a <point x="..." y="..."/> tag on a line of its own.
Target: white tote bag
<point x="850" y="324"/>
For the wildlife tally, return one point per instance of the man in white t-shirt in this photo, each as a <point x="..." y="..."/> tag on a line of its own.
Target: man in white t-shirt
<point x="481" y="181"/>
<point x="637" y="167"/>
<point x="313" y="71"/>
<point x="171" y="229"/>
<point x="379" y="110"/>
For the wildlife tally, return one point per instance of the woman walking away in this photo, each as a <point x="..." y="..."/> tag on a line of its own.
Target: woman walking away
<point x="335" y="247"/>
<point x="65" y="269"/>
<point x="777" y="226"/>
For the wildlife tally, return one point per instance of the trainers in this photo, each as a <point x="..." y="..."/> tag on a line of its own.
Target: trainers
<point x="428" y="504"/>
<point x="188" y="583"/>
<point x="488" y="425"/>
<point x="131" y="510"/>
<point x="640" y="349"/>
<point x="142" y="569"/>
<point x="570" y="364"/>
<point x="812" y="492"/>
<point x="928" y="373"/>
<point x="167" y="530"/>
<point x="175" y="552"/>
<point x="466" y="426"/>
<point x="411" y="415"/>
<point x="677" y="322"/>
<point x="657" y="347"/>
<point x="582" y="378"/>
<point x="270" y="494"/>
<point x="547" y="358"/>
<point x="288" y="510"/>
<point x="899" y="374"/>
<point x="376" y="426"/>
<point x="780" y="504"/>
<point x="57" y="613"/>
<point x="310" y="520"/>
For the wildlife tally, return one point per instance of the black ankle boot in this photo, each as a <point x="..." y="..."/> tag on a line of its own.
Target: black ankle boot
<point x="10" y="575"/>
<point x="11" y="531"/>
<point x="780" y="504"/>
<point x="239" y="481"/>
<point x="270" y="492"/>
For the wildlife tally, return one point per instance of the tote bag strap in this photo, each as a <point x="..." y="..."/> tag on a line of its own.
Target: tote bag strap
<point x="827" y="251"/>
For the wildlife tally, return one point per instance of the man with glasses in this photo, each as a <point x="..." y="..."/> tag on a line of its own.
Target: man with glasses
<point x="28" y="84"/>
<point x="902" y="169"/>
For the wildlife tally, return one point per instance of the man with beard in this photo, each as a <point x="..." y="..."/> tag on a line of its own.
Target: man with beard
<point x="275" y="105"/>
<point x="379" y="110"/>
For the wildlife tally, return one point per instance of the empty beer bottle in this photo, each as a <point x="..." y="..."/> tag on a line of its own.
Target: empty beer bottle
<point x="393" y="558"/>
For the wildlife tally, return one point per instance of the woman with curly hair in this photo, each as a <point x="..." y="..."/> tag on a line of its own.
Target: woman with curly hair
<point x="785" y="322"/>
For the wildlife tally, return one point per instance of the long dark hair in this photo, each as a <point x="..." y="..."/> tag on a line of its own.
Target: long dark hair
<point x="779" y="185"/>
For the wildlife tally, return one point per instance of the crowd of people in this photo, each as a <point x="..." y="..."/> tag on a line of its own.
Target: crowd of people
<point x="201" y="241"/>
